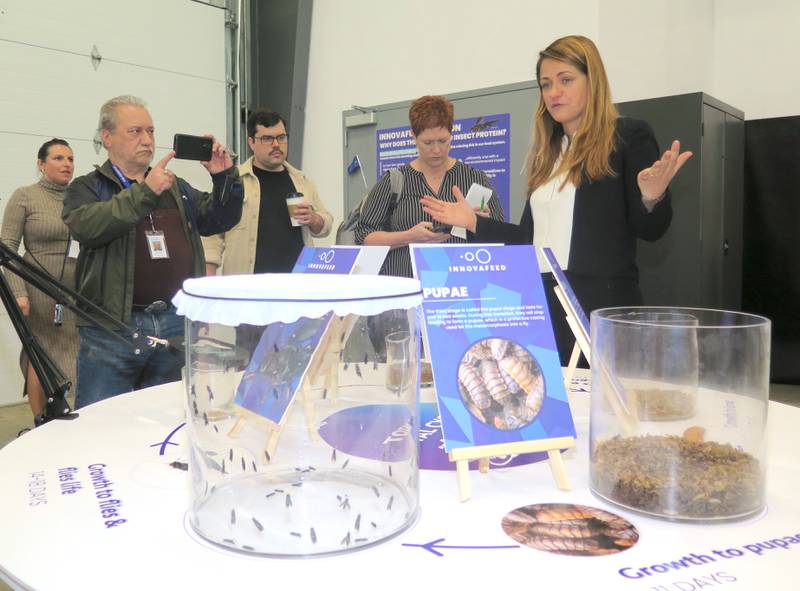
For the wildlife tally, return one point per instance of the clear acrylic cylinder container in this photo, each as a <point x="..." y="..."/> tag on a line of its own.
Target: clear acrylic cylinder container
<point x="679" y="411"/>
<point x="302" y="408"/>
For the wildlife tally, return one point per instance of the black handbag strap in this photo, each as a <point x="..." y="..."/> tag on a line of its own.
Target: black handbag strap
<point x="396" y="180"/>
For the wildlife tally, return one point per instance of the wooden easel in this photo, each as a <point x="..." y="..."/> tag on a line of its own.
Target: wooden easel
<point x="324" y="365"/>
<point x="581" y="338"/>
<point x="483" y="453"/>
<point x="616" y="400"/>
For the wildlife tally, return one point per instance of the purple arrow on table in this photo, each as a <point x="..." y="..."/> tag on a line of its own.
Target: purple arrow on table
<point x="163" y="444"/>
<point x="434" y="547"/>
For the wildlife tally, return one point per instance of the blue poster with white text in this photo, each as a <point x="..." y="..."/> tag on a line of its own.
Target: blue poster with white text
<point x="331" y="260"/>
<point x="495" y="363"/>
<point x="482" y="142"/>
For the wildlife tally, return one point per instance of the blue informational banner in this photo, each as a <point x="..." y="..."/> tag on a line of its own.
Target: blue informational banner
<point x="284" y="351"/>
<point x="333" y="259"/>
<point x="482" y="142"/>
<point x="495" y="363"/>
<point x="279" y="362"/>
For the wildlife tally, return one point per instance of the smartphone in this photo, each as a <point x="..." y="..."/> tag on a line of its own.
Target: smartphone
<point x="192" y="147"/>
<point x="441" y="228"/>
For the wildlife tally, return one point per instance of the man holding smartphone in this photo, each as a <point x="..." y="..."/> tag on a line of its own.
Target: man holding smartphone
<point x="139" y="231"/>
<point x="268" y="239"/>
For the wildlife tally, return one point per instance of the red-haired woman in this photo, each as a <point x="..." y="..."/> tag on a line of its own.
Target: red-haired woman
<point x="595" y="184"/>
<point x="434" y="174"/>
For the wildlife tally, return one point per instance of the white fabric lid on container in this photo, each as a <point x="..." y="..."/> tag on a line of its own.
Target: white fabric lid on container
<point x="263" y="299"/>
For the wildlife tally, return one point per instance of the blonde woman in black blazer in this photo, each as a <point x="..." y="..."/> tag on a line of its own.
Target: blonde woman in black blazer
<point x="595" y="181"/>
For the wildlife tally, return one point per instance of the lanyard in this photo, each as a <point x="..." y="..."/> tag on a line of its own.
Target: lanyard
<point x="122" y="178"/>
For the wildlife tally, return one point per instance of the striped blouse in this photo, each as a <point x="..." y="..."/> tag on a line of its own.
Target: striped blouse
<point x="408" y="212"/>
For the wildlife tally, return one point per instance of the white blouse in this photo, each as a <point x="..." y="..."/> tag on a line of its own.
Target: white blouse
<point x="552" y="207"/>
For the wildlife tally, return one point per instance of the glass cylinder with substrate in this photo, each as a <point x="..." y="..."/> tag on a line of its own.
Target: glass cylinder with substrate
<point x="679" y="410"/>
<point x="303" y="436"/>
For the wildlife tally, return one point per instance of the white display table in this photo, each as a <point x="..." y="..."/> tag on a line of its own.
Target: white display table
<point x="66" y="487"/>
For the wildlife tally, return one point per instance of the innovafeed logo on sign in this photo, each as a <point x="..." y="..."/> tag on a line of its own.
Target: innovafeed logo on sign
<point x="326" y="257"/>
<point x="475" y="261"/>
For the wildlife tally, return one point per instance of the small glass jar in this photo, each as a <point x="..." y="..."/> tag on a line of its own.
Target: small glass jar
<point x="679" y="409"/>
<point x="303" y="432"/>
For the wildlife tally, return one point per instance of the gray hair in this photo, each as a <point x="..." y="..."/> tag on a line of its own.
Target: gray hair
<point x="108" y="112"/>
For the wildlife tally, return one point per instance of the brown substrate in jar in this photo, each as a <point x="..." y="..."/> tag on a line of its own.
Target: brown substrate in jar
<point x="663" y="405"/>
<point x="673" y="476"/>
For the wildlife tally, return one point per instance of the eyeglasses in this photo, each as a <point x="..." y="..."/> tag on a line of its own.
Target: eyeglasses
<point x="268" y="139"/>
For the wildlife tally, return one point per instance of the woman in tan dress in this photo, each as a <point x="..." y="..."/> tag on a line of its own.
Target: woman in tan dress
<point x="33" y="216"/>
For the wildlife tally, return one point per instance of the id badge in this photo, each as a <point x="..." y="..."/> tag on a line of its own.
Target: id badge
<point x="74" y="249"/>
<point x="156" y="244"/>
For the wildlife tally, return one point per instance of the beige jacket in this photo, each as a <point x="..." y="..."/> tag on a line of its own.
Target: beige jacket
<point x="235" y="249"/>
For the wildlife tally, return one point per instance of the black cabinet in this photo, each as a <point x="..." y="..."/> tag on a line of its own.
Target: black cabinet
<point x="699" y="260"/>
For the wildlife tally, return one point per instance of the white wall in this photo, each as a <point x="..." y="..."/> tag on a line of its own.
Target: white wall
<point x="656" y="47"/>
<point x="756" y="56"/>
<point x="366" y="53"/>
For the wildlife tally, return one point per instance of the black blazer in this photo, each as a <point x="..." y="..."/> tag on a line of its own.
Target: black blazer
<point x="608" y="214"/>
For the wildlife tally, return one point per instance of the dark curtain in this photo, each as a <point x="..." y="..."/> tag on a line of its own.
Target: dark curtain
<point x="771" y="258"/>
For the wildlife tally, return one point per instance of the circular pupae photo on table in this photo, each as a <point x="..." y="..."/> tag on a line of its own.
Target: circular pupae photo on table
<point x="501" y="383"/>
<point x="575" y="530"/>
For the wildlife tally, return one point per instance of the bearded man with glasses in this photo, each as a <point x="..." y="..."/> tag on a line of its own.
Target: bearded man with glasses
<point x="265" y="240"/>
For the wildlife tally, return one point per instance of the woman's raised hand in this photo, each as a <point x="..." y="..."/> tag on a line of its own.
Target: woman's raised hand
<point x="459" y="213"/>
<point x="653" y="181"/>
